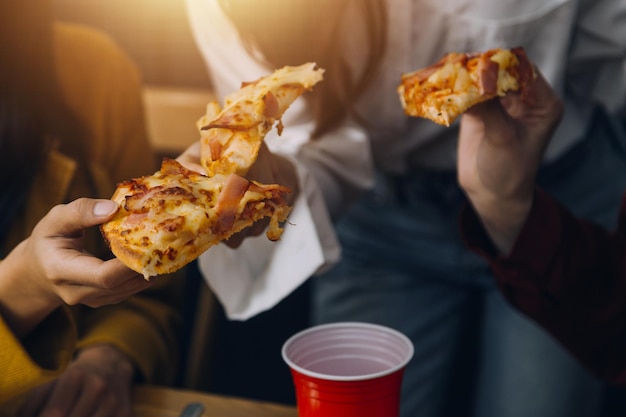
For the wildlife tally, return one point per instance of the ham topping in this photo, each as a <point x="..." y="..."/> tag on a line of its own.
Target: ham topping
<point x="234" y="189"/>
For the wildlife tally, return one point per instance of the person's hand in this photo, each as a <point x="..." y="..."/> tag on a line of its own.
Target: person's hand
<point x="268" y="168"/>
<point x="50" y="268"/>
<point x="97" y="383"/>
<point x="501" y="145"/>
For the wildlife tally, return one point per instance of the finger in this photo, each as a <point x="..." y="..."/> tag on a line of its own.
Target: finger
<point x="492" y="119"/>
<point x="545" y="106"/>
<point x="256" y="229"/>
<point x="236" y="240"/>
<point x="108" y="284"/>
<point x="113" y="274"/>
<point x="70" y="219"/>
<point x="125" y="406"/>
<point x="261" y="169"/>
<point x="112" y="408"/>
<point x="259" y="227"/>
<point x="97" y="299"/>
<point x="36" y="399"/>
<point x="63" y="395"/>
<point x="90" y="398"/>
<point x="540" y="92"/>
<point x="83" y="269"/>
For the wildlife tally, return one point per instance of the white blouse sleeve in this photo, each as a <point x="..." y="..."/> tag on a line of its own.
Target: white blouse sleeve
<point x="330" y="169"/>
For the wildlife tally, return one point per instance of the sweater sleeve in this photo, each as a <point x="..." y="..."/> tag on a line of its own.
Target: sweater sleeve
<point x="568" y="275"/>
<point x="40" y="357"/>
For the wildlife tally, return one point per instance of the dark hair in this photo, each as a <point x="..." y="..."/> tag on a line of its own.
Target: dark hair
<point x="292" y="32"/>
<point x="32" y="108"/>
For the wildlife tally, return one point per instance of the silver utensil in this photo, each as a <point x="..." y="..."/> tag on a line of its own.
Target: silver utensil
<point x="192" y="410"/>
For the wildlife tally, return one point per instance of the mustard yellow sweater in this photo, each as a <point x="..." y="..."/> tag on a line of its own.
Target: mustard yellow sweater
<point x="104" y="88"/>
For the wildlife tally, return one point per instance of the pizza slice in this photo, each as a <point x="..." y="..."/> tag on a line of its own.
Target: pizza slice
<point x="168" y="219"/>
<point x="231" y="137"/>
<point x="445" y="90"/>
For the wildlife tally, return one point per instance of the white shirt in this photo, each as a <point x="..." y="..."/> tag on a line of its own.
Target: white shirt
<point x="560" y="36"/>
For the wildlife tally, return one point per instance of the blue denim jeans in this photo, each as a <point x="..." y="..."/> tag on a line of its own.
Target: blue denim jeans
<point x="404" y="266"/>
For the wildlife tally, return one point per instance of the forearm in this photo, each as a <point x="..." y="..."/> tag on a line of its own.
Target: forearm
<point x="569" y="276"/>
<point x="503" y="220"/>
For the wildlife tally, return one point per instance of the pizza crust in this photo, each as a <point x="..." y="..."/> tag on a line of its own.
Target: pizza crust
<point x="168" y="219"/>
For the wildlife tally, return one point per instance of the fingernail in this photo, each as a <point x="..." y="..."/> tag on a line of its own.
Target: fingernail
<point x="104" y="208"/>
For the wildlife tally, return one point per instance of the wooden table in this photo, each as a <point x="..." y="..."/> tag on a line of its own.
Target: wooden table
<point x="150" y="401"/>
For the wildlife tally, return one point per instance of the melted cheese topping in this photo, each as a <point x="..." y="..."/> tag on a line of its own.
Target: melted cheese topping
<point x="168" y="219"/>
<point x="231" y="138"/>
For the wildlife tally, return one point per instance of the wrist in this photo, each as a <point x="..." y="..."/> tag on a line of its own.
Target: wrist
<point x="503" y="218"/>
<point x="23" y="300"/>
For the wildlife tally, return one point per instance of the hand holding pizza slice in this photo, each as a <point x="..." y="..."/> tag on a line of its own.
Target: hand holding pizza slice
<point x="445" y="90"/>
<point x="168" y="219"/>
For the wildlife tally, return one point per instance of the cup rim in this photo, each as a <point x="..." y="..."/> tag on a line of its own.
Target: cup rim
<point x="352" y="324"/>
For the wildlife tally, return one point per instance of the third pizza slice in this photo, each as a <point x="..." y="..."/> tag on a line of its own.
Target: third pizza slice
<point x="445" y="90"/>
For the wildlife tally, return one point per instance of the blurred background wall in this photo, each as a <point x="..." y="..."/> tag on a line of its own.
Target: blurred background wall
<point x="155" y="33"/>
<point x="157" y="36"/>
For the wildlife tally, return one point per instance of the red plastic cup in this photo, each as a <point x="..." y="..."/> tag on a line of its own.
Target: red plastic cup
<point x="348" y="369"/>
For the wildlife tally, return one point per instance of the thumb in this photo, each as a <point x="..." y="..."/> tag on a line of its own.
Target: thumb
<point x="72" y="218"/>
<point x="490" y="120"/>
<point x="103" y="209"/>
